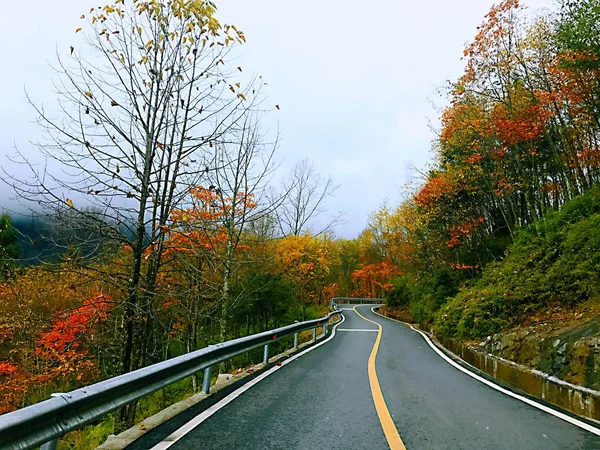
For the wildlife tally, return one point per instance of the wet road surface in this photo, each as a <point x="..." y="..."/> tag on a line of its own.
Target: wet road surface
<point x="324" y="399"/>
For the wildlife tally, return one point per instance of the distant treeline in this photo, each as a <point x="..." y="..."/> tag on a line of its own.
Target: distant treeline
<point x="44" y="239"/>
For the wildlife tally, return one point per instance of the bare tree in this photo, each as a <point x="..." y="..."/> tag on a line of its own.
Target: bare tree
<point x="226" y="215"/>
<point x="142" y="117"/>
<point x="306" y="191"/>
<point x="241" y="182"/>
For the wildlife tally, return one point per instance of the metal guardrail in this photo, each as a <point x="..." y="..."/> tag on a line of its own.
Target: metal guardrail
<point x="350" y="300"/>
<point x="43" y="423"/>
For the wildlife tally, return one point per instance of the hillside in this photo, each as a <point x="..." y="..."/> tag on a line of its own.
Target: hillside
<point x="552" y="268"/>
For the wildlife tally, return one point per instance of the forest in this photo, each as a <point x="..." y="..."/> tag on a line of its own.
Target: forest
<point x="171" y="235"/>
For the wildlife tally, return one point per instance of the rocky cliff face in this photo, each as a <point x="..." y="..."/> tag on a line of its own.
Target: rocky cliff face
<point x="571" y="354"/>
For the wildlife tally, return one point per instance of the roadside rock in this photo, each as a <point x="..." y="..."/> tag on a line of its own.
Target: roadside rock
<point x="223" y="377"/>
<point x="572" y="354"/>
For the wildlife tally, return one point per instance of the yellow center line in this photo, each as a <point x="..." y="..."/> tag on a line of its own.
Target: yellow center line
<point x="389" y="429"/>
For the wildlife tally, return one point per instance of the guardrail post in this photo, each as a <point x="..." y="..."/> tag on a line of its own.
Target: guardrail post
<point x="325" y="329"/>
<point x="266" y="354"/>
<point x="295" y="341"/>
<point x="206" y="380"/>
<point x="314" y="334"/>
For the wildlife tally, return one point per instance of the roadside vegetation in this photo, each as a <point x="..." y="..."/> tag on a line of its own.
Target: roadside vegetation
<point x="553" y="264"/>
<point x="505" y="225"/>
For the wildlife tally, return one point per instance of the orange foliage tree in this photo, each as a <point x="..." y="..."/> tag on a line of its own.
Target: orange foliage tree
<point x="307" y="261"/>
<point x="373" y="280"/>
<point x="46" y="333"/>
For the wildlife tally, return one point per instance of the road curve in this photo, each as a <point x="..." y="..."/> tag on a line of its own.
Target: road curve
<point x="325" y="399"/>
<point x="435" y="406"/>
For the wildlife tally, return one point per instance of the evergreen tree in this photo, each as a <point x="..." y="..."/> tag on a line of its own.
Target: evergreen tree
<point x="9" y="251"/>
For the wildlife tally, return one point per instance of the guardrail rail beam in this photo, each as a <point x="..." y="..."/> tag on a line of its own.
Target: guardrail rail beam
<point x="43" y="423"/>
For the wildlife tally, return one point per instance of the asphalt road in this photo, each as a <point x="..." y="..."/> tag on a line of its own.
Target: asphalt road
<point x="324" y="400"/>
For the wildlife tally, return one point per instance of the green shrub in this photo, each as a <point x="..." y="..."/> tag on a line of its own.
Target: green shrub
<point x="400" y="295"/>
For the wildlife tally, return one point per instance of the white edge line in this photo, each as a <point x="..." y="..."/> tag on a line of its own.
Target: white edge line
<point x="189" y="426"/>
<point x="533" y="403"/>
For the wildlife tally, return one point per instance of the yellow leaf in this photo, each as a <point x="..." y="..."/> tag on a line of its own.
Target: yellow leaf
<point x="82" y="16"/>
<point x="69" y="202"/>
<point x="78" y="30"/>
<point x="94" y="19"/>
<point x="89" y="94"/>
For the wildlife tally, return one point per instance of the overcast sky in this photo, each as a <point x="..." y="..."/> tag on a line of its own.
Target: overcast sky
<point x="355" y="81"/>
